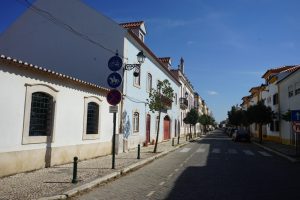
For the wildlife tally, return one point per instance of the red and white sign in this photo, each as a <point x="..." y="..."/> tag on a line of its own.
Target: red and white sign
<point x="296" y="127"/>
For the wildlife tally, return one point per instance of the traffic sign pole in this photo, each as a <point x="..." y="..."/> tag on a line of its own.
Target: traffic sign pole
<point x="114" y="96"/>
<point x="114" y="142"/>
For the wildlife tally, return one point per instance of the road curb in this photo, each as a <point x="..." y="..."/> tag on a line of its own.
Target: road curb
<point x="293" y="160"/>
<point x="111" y="176"/>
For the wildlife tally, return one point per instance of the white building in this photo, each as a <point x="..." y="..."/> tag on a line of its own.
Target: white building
<point x="185" y="95"/>
<point x="289" y="98"/>
<point x="270" y="95"/>
<point x="47" y="118"/>
<point x="139" y="124"/>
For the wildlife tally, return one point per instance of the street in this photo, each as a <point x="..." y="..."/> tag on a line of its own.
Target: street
<point x="213" y="167"/>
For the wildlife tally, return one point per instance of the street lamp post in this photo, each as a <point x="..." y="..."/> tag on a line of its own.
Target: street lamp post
<point x="141" y="58"/>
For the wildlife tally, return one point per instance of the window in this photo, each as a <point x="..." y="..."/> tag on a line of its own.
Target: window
<point x="135" y="122"/>
<point x="290" y="91"/>
<point x="91" y="119"/>
<point x="39" y="114"/>
<point x="297" y="88"/>
<point x="175" y="98"/>
<point x="275" y="99"/>
<point x="149" y="82"/>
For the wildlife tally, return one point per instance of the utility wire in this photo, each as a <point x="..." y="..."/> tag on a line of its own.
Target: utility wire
<point x="47" y="15"/>
<point x="134" y="100"/>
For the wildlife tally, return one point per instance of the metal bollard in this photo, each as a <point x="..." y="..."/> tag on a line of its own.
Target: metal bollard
<point x="173" y="141"/>
<point x="139" y="152"/>
<point x="74" y="180"/>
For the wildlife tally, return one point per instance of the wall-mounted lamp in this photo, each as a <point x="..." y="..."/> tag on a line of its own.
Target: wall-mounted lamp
<point x="141" y="58"/>
<point x="186" y="95"/>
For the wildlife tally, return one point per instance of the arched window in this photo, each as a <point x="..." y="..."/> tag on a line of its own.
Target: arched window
<point x="92" y="118"/>
<point x="136" y="119"/>
<point x="41" y="114"/>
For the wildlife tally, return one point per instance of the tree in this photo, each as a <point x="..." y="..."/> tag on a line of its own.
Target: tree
<point x="158" y="100"/>
<point x="206" y="120"/>
<point x="192" y="118"/>
<point x="259" y="114"/>
<point x="238" y="117"/>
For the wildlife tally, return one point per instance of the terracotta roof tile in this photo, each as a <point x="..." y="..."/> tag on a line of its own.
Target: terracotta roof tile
<point x="276" y="70"/>
<point x="165" y="59"/>
<point x="132" y="25"/>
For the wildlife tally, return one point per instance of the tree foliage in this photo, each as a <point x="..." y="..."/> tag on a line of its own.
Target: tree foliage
<point x="238" y="117"/>
<point x="287" y="116"/>
<point x="192" y="118"/>
<point x="206" y="120"/>
<point x="164" y="90"/>
<point x="259" y="114"/>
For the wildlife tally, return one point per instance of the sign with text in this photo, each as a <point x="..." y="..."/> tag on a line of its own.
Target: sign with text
<point x="113" y="109"/>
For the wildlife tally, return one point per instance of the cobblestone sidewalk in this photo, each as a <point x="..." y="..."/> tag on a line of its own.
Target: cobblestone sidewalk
<point x="57" y="180"/>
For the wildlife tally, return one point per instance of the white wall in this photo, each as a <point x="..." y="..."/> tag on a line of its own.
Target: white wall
<point x="68" y="129"/>
<point x="288" y="103"/>
<point x="52" y="45"/>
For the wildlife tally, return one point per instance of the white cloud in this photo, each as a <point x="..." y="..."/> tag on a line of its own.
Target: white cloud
<point x="190" y="42"/>
<point x="212" y="93"/>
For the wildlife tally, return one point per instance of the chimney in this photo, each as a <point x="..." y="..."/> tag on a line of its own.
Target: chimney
<point x="181" y="66"/>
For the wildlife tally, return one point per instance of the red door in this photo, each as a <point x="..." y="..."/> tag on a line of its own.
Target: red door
<point x="166" y="128"/>
<point x="148" y="125"/>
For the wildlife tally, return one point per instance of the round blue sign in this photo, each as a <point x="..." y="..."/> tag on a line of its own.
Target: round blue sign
<point x="115" y="63"/>
<point x="114" y="80"/>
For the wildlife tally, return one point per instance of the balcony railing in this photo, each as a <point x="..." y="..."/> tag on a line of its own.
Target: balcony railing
<point x="183" y="103"/>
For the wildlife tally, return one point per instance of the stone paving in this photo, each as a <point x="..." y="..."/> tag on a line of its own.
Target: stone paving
<point x="57" y="179"/>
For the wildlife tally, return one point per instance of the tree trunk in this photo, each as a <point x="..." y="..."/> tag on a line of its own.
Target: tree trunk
<point x="191" y="131"/>
<point x="156" y="141"/>
<point x="260" y="133"/>
<point x="195" y="130"/>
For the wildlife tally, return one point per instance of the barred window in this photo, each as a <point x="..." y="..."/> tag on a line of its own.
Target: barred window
<point x="92" y="118"/>
<point x="41" y="114"/>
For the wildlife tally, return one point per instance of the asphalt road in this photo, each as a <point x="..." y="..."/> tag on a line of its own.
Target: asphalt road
<point x="210" y="168"/>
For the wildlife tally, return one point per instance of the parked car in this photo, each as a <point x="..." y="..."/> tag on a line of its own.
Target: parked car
<point x="231" y="131"/>
<point x="241" y="135"/>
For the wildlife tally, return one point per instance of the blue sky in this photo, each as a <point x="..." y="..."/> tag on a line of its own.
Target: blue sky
<point x="227" y="44"/>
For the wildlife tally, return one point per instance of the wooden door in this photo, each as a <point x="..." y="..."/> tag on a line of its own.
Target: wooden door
<point x="166" y="128"/>
<point x="148" y="125"/>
